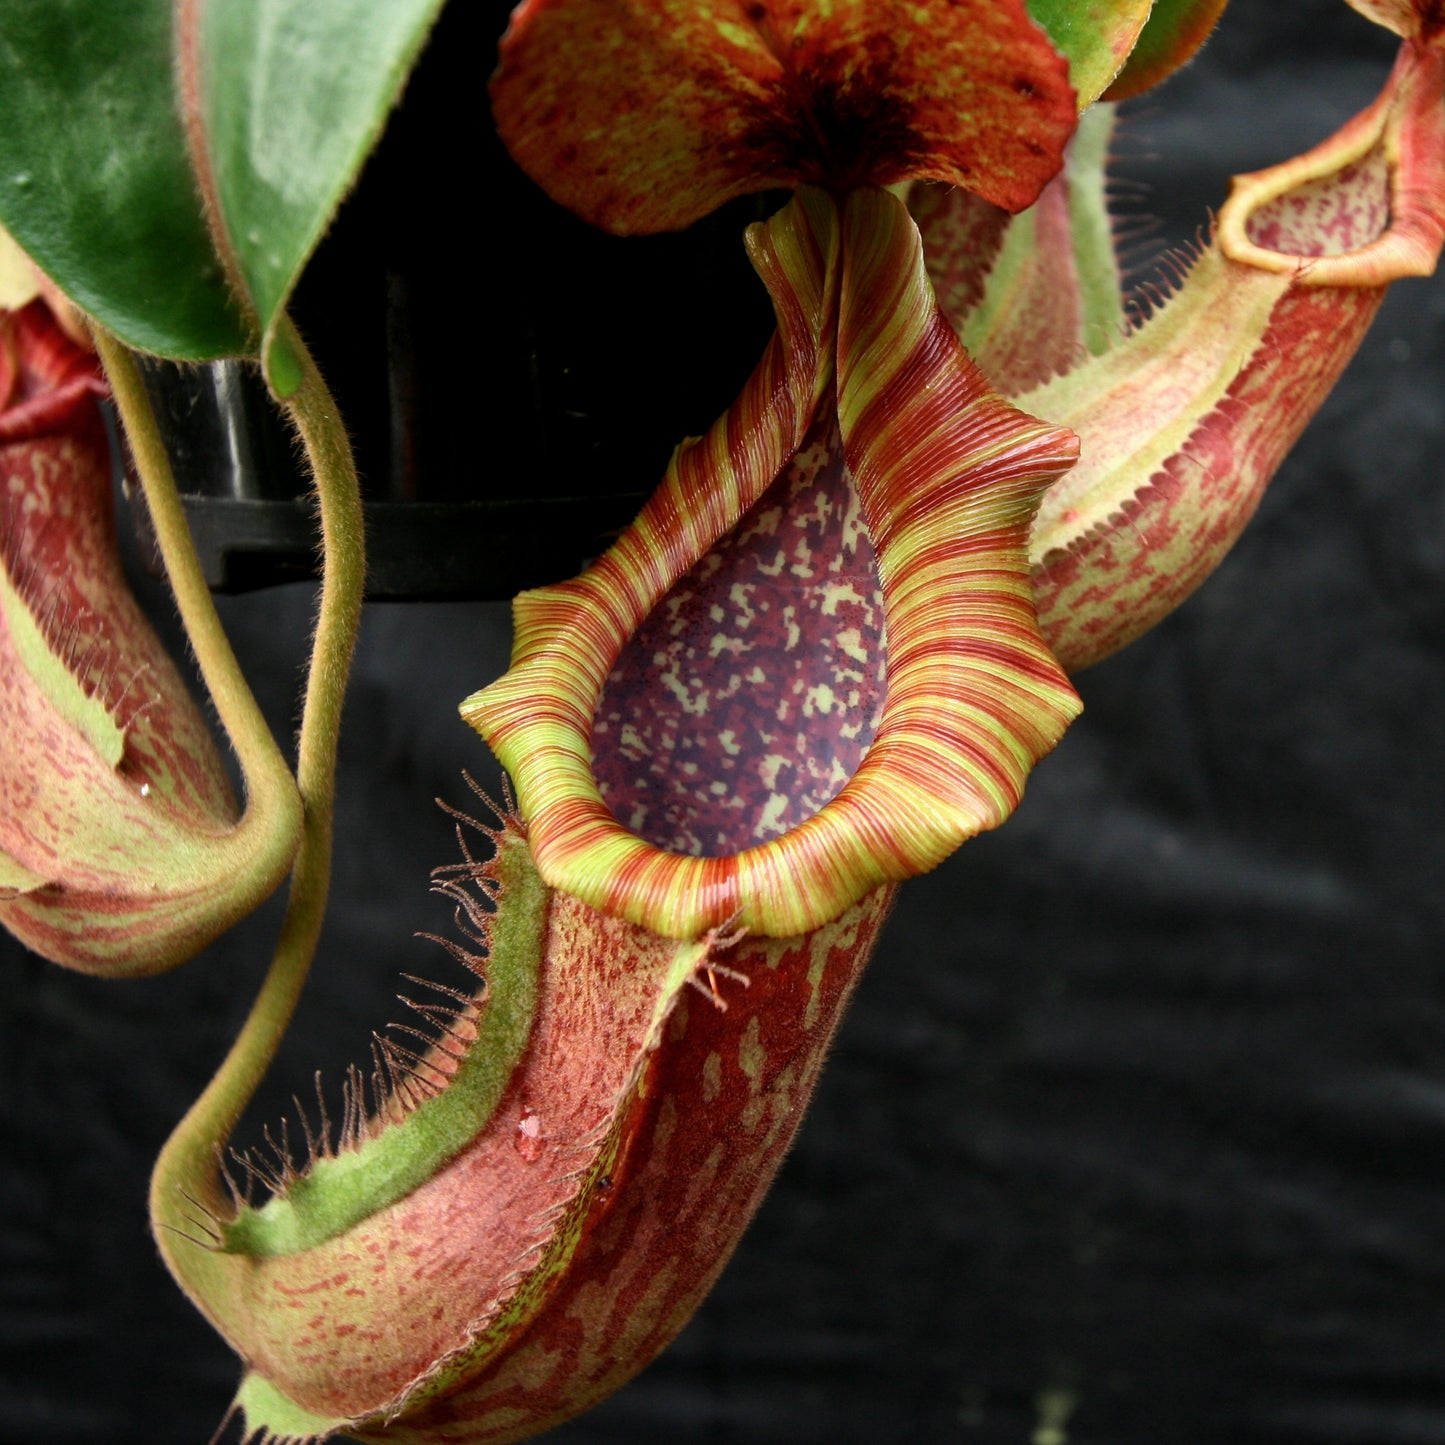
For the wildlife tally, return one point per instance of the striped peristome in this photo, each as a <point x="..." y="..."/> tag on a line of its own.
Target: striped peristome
<point x="947" y="476"/>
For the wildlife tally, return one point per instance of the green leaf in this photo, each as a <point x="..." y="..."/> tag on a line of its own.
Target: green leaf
<point x="95" y="181"/>
<point x="1096" y="36"/>
<point x="1176" y="29"/>
<point x="288" y="97"/>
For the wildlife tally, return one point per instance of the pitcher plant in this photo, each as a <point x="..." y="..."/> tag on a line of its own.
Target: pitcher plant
<point x="829" y="650"/>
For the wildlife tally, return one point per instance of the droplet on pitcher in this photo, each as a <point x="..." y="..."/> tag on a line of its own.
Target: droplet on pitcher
<point x="529" y="1136"/>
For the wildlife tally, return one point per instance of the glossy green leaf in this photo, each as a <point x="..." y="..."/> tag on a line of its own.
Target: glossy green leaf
<point x="287" y="98"/>
<point x="1176" y="29"/>
<point x="1096" y="36"/>
<point x="95" y="181"/>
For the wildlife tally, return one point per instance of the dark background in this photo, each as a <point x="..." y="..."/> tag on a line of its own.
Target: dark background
<point x="1136" y="1130"/>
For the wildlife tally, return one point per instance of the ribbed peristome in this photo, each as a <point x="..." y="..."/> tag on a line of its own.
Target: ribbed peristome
<point x="947" y="476"/>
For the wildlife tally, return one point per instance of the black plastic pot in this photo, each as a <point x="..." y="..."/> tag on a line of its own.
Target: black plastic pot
<point x="514" y="380"/>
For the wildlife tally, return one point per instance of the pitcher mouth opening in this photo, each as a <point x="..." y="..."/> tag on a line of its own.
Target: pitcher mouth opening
<point x="1363" y="208"/>
<point x="917" y="692"/>
<point x="751" y="694"/>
